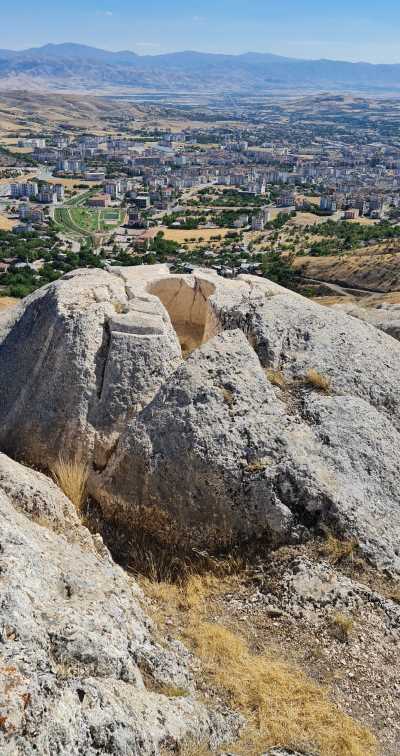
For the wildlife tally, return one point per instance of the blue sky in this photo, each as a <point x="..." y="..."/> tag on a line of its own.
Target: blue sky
<point x="343" y="29"/>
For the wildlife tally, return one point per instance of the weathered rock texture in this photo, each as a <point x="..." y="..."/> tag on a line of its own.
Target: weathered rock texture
<point x="385" y="316"/>
<point x="79" y="668"/>
<point x="86" y="359"/>
<point x="207" y="450"/>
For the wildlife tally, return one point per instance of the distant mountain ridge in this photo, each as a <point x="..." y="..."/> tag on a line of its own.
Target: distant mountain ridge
<point x="81" y="67"/>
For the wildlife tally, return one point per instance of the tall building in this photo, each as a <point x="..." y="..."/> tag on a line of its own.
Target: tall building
<point x="328" y="204"/>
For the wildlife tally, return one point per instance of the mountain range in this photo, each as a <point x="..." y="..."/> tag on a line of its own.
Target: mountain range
<point x="76" y="67"/>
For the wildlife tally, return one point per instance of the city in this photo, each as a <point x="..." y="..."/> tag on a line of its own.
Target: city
<point x="236" y="198"/>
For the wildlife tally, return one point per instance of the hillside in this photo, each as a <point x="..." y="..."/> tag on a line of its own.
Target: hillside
<point x="75" y="67"/>
<point x="374" y="268"/>
<point x="199" y="555"/>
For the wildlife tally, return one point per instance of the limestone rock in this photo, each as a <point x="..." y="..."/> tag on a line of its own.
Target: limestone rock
<point x="85" y="358"/>
<point x="189" y="462"/>
<point x="315" y="588"/>
<point x="74" y="643"/>
<point x="206" y="450"/>
<point x="384" y="316"/>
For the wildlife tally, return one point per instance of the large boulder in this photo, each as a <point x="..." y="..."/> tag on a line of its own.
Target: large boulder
<point x="185" y="467"/>
<point x="80" y="670"/>
<point x="163" y="383"/>
<point x="219" y="456"/>
<point x="79" y="359"/>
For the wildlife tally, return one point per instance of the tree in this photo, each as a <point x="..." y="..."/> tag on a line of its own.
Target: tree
<point x="278" y="268"/>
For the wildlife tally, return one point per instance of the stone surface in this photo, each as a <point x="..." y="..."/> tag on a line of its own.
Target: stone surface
<point x="384" y="316"/>
<point x="93" y="359"/>
<point x="316" y="588"/>
<point x="80" y="669"/>
<point x="206" y="450"/>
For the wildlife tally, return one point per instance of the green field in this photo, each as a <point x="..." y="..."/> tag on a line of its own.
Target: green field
<point x="84" y="221"/>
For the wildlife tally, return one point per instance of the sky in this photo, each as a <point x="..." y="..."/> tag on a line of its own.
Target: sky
<point x="342" y="30"/>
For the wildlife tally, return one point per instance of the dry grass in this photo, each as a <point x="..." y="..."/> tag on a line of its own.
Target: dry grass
<point x="229" y="396"/>
<point x="71" y="476"/>
<point x="316" y="380"/>
<point x="277" y="378"/>
<point x="259" y="465"/>
<point x="120" y="307"/>
<point x="181" y="235"/>
<point x="342" y="626"/>
<point x="337" y="551"/>
<point x="188" y="748"/>
<point x="394" y="595"/>
<point x="282" y="706"/>
<point x="7" y="224"/>
<point x="172" y="691"/>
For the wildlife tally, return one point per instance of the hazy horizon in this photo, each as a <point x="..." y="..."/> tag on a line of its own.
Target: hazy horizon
<point x="197" y="51"/>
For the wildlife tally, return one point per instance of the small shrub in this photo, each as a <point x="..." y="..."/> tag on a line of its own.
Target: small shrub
<point x="316" y="380"/>
<point x="71" y="476"/>
<point x="342" y="626"/>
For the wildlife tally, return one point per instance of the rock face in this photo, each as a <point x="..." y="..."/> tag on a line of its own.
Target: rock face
<point x="75" y="641"/>
<point x="90" y="359"/>
<point x="384" y="316"/>
<point x="209" y="449"/>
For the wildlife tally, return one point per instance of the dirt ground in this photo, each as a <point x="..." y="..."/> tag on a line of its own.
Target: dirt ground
<point x="180" y="235"/>
<point x="7" y="302"/>
<point x="6" y="224"/>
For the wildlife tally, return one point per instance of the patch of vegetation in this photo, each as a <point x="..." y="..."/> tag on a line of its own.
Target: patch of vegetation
<point x="318" y="381"/>
<point x="278" y="269"/>
<point x="276" y="377"/>
<point x="282" y="706"/>
<point x="342" y="626"/>
<point x="71" y="476"/>
<point x="336" y="550"/>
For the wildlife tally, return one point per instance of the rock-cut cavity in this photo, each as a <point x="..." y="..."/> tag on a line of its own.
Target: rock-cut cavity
<point x="187" y="303"/>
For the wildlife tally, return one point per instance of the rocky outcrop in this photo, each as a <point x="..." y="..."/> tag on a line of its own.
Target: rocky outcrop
<point x="86" y="359"/>
<point x="80" y="671"/>
<point x="210" y="449"/>
<point x="384" y="316"/>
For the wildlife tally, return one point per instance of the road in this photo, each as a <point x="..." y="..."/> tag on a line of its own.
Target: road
<point x="341" y="289"/>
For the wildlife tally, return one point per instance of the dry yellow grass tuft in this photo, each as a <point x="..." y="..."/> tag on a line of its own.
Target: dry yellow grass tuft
<point x="342" y="626"/>
<point x="276" y="377"/>
<point x="337" y="551"/>
<point x="188" y="748"/>
<point x="71" y="476"/>
<point x="259" y="465"/>
<point x="229" y="397"/>
<point x="318" y="381"/>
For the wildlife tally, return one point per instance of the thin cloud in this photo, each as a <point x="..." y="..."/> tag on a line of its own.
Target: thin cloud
<point x="104" y="13"/>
